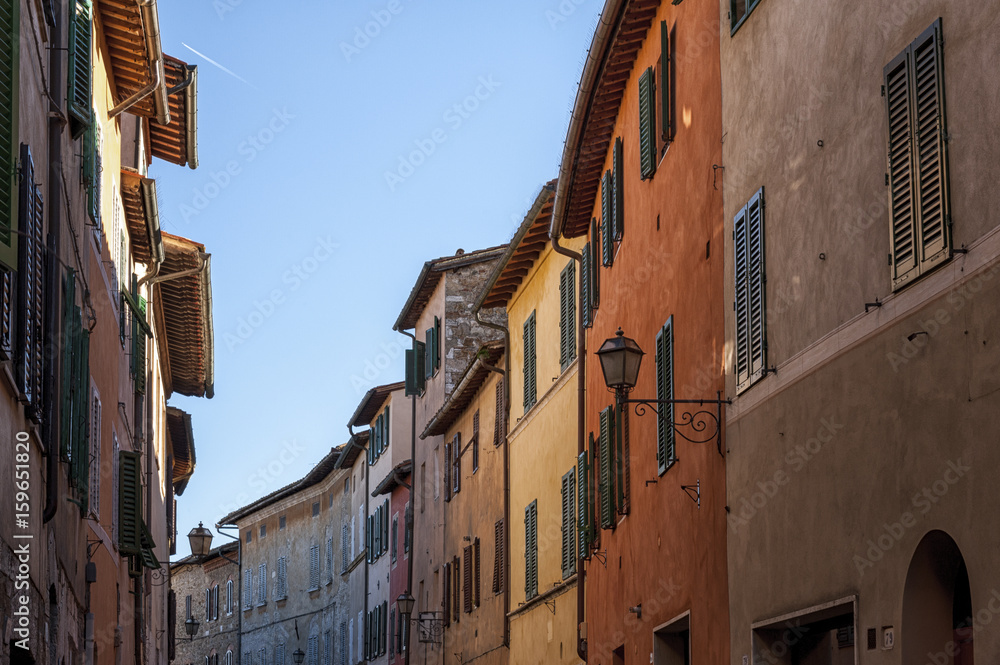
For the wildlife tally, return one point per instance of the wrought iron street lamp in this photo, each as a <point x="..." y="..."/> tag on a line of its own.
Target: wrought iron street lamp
<point x="405" y="604"/>
<point x="621" y="358"/>
<point x="191" y="627"/>
<point x="200" y="540"/>
<point x="298" y="656"/>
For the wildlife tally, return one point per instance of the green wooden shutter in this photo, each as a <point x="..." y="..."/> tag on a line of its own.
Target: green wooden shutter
<point x="595" y="273"/>
<point x="666" y="103"/>
<point x="92" y="173"/>
<point x="569" y="546"/>
<point x="583" y="516"/>
<point x="80" y="66"/>
<point x="66" y="384"/>
<point x="139" y="338"/>
<point x="626" y="464"/>
<point x="607" y="465"/>
<point x="618" y="190"/>
<point x="607" y="230"/>
<point x="930" y="163"/>
<point x="531" y="550"/>
<point x="585" y="285"/>
<point x="616" y="439"/>
<point x="436" y="351"/>
<point x="81" y="413"/>
<point x="647" y="111"/>
<point x="447" y="472"/>
<point x="129" y="502"/>
<point x="415" y="375"/>
<point x="10" y="30"/>
<point x="385" y="428"/>
<point x="29" y="360"/>
<point x="567" y="315"/>
<point x="665" y="442"/>
<point x="530" y="374"/>
<point x="429" y="346"/>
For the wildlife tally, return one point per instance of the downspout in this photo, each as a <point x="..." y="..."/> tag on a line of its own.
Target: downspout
<point x="410" y="509"/>
<point x="141" y="94"/>
<point x="155" y="278"/>
<point x="506" y="468"/>
<point x="56" y="123"/>
<point x="581" y="425"/>
<point x="151" y="21"/>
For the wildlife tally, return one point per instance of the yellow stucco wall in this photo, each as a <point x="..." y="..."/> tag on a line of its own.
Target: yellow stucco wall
<point x="543" y="447"/>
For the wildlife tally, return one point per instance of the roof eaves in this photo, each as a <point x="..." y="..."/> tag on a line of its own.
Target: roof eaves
<point x="472" y="380"/>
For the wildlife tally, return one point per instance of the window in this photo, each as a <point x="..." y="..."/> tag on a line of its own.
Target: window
<point x="329" y="560"/>
<point x="585" y="527"/>
<point x="342" y="644"/>
<point x="262" y="586"/>
<point x="918" y="165"/>
<point x="313" y="567"/>
<point x="498" y="424"/>
<point x="475" y="572"/>
<point x="279" y="654"/>
<point x="247" y="589"/>
<point x="7" y="306"/>
<point x="456" y="472"/>
<point x="263" y="531"/>
<point x="456" y="590"/>
<point x="347" y="489"/>
<point x="215" y="603"/>
<point x="281" y="523"/>
<point x="29" y="360"/>
<point x="327" y="648"/>
<point x="432" y="349"/>
<point x="228" y="658"/>
<point x="474" y="444"/>
<point x="567" y="316"/>
<point x="569" y="548"/>
<point x="531" y="550"/>
<point x="528" y="340"/>
<point x="738" y="12"/>
<point x="590" y="276"/>
<point x="312" y="651"/>
<point x="230" y="597"/>
<point x="447" y="472"/>
<point x="114" y="486"/>
<point x="315" y="509"/>
<point x="345" y="544"/>
<point x="647" y="119"/>
<point x="79" y="67"/>
<point x="95" y="453"/>
<point x="446" y="594"/>
<point x="281" y="583"/>
<point x="247" y="658"/>
<point x="395" y="536"/>
<point x="498" y="559"/>
<point x="249" y="536"/>
<point x="750" y="305"/>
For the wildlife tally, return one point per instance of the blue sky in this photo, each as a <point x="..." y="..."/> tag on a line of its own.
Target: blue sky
<point x="347" y="144"/>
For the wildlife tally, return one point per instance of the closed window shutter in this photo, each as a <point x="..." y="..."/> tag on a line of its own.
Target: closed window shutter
<point x="447" y="594"/>
<point x="529" y="362"/>
<point x="918" y="174"/>
<point x="429" y="354"/>
<point x="314" y="567"/>
<point x="567" y="315"/>
<point x="262" y="585"/>
<point x="531" y="550"/>
<point x="665" y="391"/>
<point x="498" y="558"/>
<point x="607" y="466"/>
<point x="345" y="555"/>
<point x="750" y="306"/>
<point x="385" y="526"/>
<point x="30" y="359"/>
<point x="619" y="461"/>
<point x="208" y="604"/>
<point x="313" y="650"/>
<point x="666" y="85"/>
<point x="436" y="350"/>
<point x="584" y="503"/>
<point x="79" y="63"/>
<point x="281" y="586"/>
<point x="467" y="581"/>
<point x="457" y="471"/>
<point x="568" y="519"/>
<point x="498" y="428"/>
<point x="385" y="429"/>
<point x="595" y="274"/>
<point x="585" y="285"/>
<point x="607" y="231"/>
<point x="447" y="472"/>
<point x="247" y="588"/>
<point x="329" y="560"/>
<point x="10" y="30"/>
<point x="618" y="190"/>
<point x="129" y="503"/>
<point x="647" y="108"/>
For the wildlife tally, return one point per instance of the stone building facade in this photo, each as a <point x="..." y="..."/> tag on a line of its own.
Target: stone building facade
<point x="292" y="593"/>
<point x="208" y="592"/>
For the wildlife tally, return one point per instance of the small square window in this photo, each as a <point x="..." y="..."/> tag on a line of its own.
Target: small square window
<point x="249" y="535"/>
<point x="316" y="509"/>
<point x="281" y="522"/>
<point x="263" y="531"/>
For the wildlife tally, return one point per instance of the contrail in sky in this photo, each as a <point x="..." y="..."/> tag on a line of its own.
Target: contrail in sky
<point x="228" y="71"/>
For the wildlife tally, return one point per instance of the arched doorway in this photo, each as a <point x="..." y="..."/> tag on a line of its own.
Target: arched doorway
<point x="937" y="604"/>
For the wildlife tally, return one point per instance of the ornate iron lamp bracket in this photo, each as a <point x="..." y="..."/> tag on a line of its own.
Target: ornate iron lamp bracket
<point x="697" y="426"/>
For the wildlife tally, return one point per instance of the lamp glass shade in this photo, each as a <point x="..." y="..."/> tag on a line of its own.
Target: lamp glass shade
<point x="405" y="603"/>
<point x="200" y="540"/>
<point x="191" y="626"/>
<point x="620" y="358"/>
<point x="298" y="656"/>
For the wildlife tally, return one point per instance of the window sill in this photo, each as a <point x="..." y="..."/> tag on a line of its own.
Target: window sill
<point x="557" y="590"/>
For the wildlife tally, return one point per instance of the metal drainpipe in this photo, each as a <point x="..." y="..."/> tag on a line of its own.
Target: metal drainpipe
<point x="506" y="472"/>
<point x="410" y="512"/>
<point x="56" y="123"/>
<point x="581" y="425"/>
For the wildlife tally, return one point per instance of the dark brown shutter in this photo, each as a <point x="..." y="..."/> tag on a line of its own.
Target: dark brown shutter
<point x="498" y="557"/>
<point x="476" y="572"/>
<point x="498" y="424"/>
<point x="30" y="355"/>
<point x="467" y="582"/>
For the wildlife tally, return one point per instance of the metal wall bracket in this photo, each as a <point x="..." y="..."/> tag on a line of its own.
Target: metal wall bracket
<point x="694" y="491"/>
<point x="696" y="426"/>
